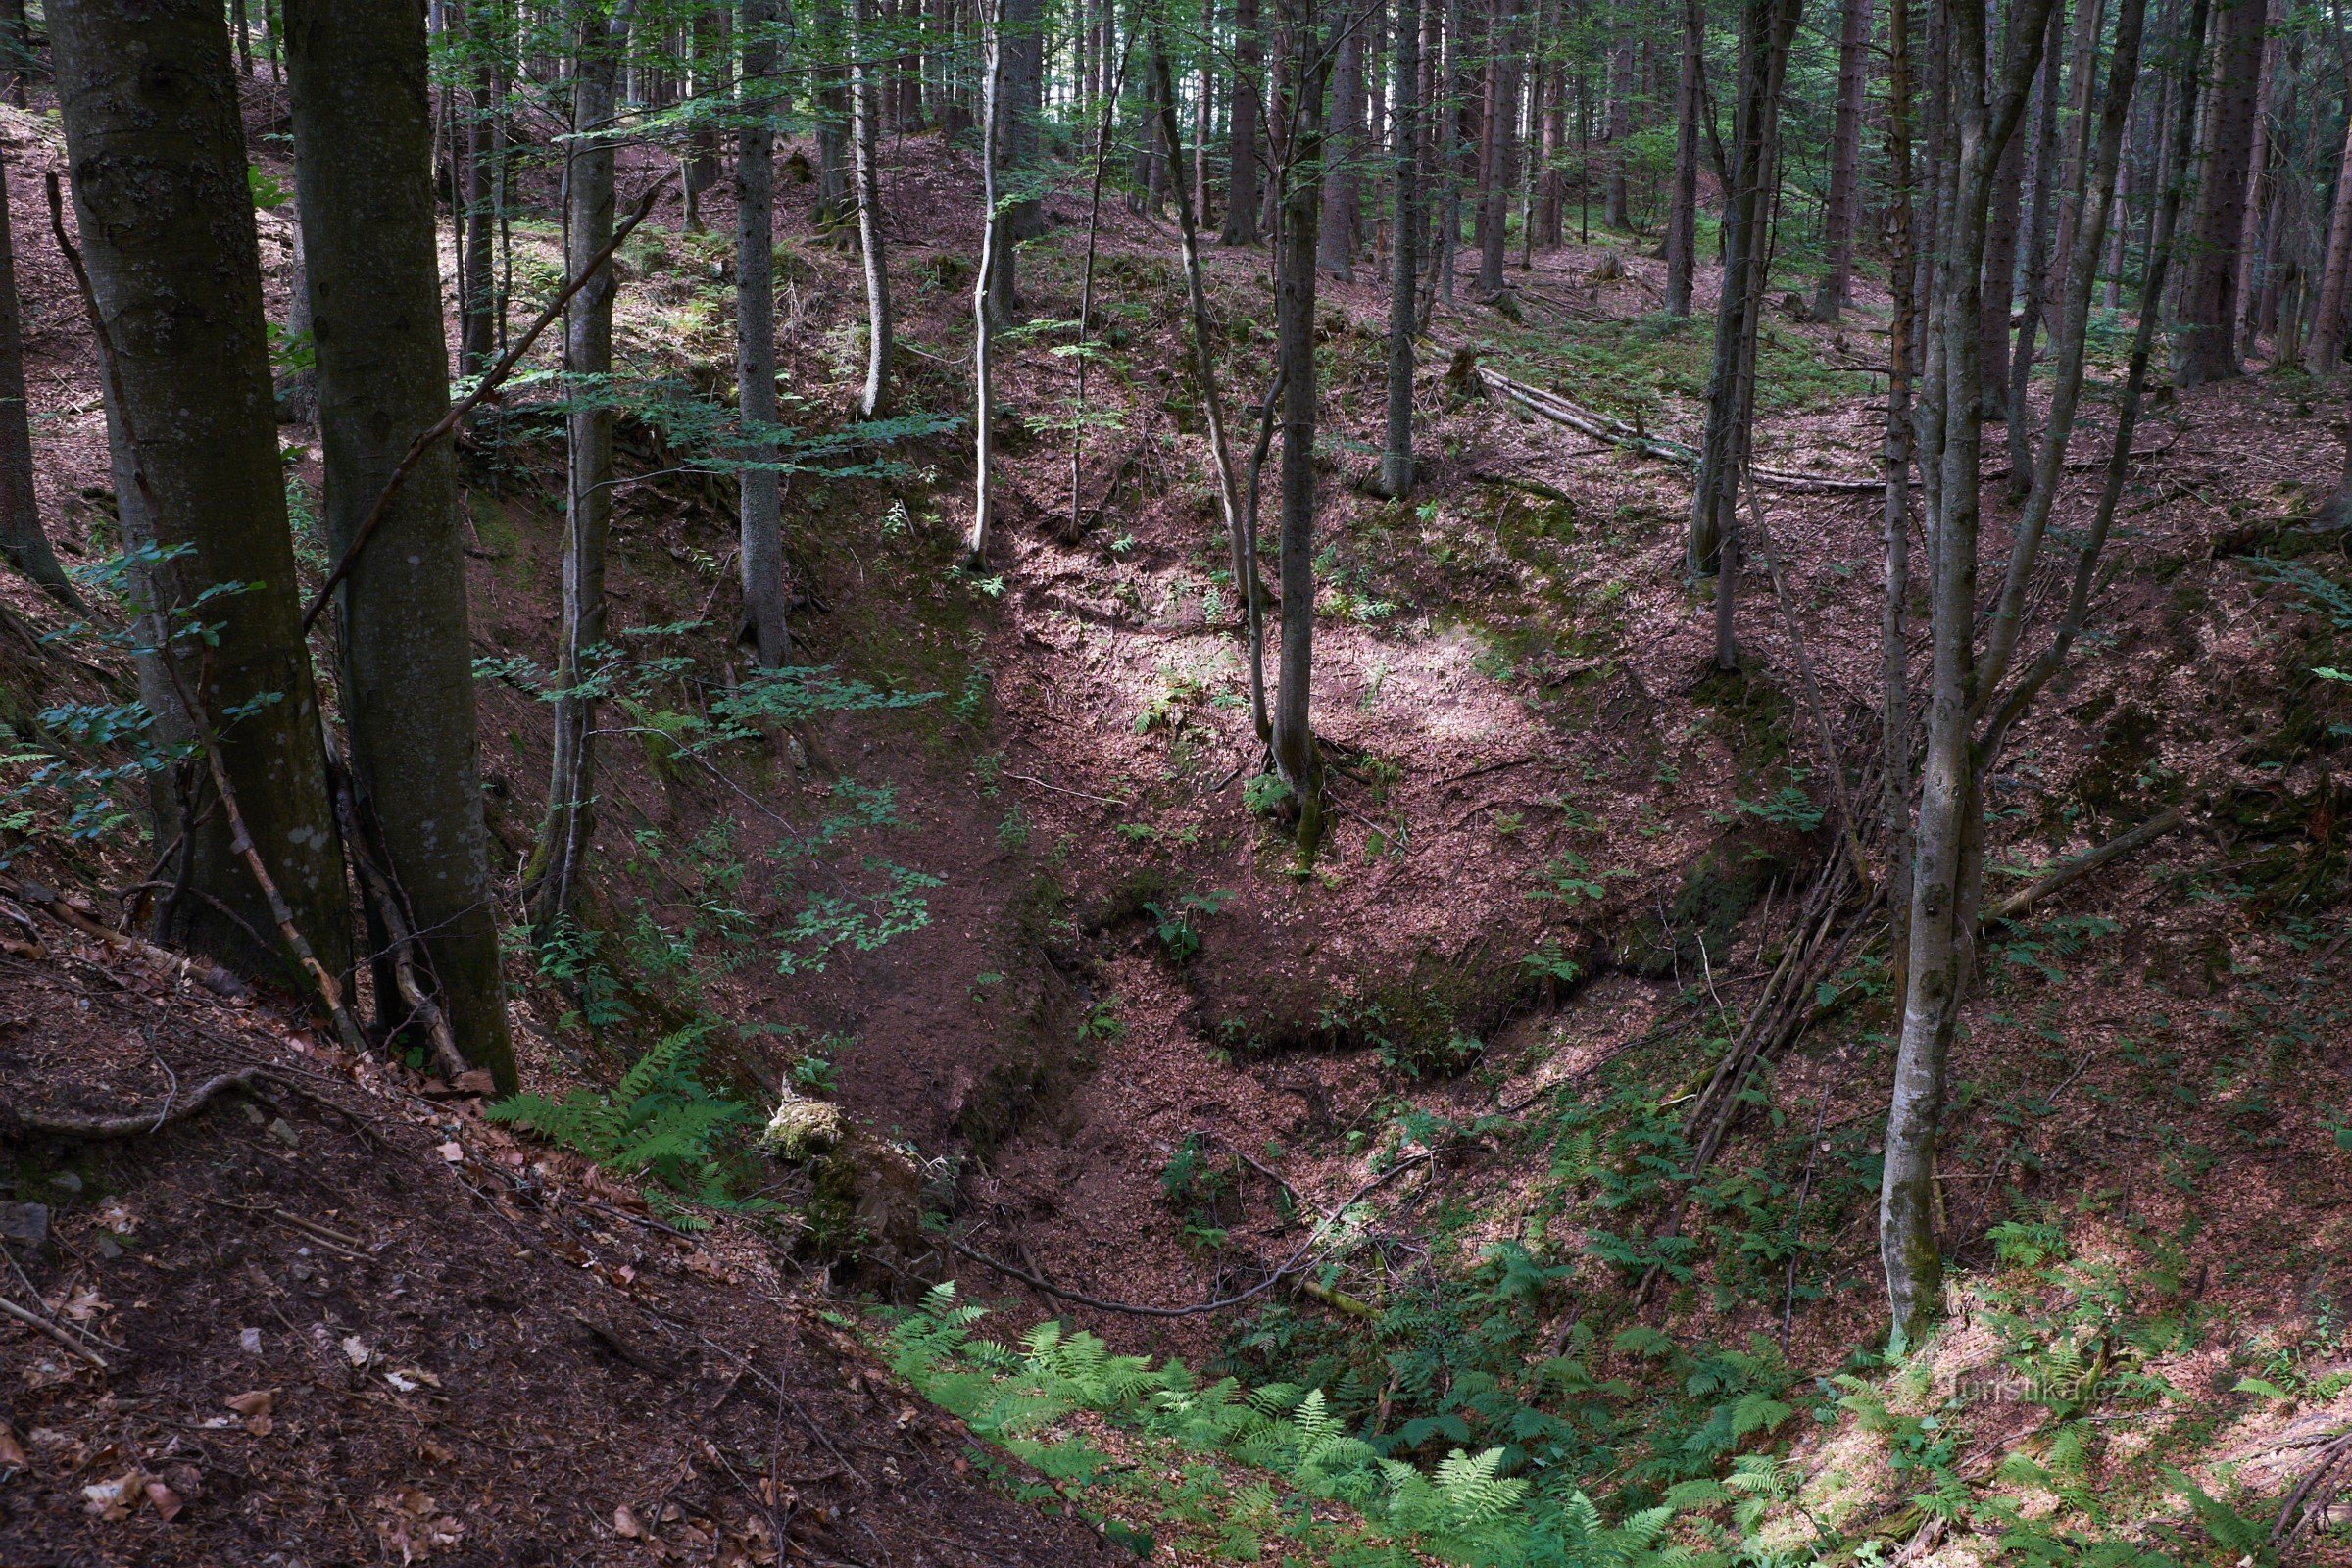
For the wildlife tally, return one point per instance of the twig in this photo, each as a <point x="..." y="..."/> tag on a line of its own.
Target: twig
<point x="2292" y="1516"/>
<point x="1060" y="789"/>
<point x="1288" y="1266"/>
<point x="1796" y="1227"/>
<point x="40" y="1324"/>
<point x="490" y="382"/>
<point x="141" y="1123"/>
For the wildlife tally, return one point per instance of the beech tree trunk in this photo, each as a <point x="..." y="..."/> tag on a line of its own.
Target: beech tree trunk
<point x="22" y="539"/>
<point x="155" y="151"/>
<point x="362" y="149"/>
<point x="2205" y="347"/>
<point x="1241" y="196"/>
<point x="1831" y="294"/>
<point x="2000" y="277"/>
<point x="759" y="505"/>
<point x="864" y="139"/>
<point x="566" y="836"/>
<point x="1682" y="217"/>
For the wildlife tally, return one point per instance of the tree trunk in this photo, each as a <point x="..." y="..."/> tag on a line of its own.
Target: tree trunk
<point x="992" y="239"/>
<point x="363" y="150"/>
<point x="1335" y="233"/>
<point x="760" y="508"/>
<point x="2327" y="347"/>
<point x="1681" y="220"/>
<point x="2038" y="263"/>
<point x="2083" y="51"/>
<point x="477" y="331"/>
<point x="1619" y="216"/>
<point x="16" y="48"/>
<point x="566" y="836"/>
<point x="1025" y="217"/>
<point x="2252" y="260"/>
<point x="1835" y="288"/>
<point x="1396" y="457"/>
<point x="2000" y="277"/>
<point x="1497" y="144"/>
<point x="1242" y="195"/>
<point x="1552" y="194"/>
<point x="1766" y="27"/>
<point x="1204" y="111"/>
<point x="832" y="96"/>
<point x="864" y="138"/>
<point x="22" y="539"/>
<point x="2205" y="348"/>
<point x="157" y="155"/>
<point x="1904" y="275"/>
<point x="714" y="55"/>
<point x="1294" y="755"/>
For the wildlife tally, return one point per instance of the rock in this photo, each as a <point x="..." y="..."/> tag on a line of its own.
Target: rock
<point x="25" y="1225"/>
<point x="65" y="1181"/>
<point x="283" y="1131"/>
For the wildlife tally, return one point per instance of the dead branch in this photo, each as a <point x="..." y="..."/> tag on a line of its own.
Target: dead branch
<point x="41" y="1325"/>
<point x="143" y="1123"/>
<point x="2123" y="844"/>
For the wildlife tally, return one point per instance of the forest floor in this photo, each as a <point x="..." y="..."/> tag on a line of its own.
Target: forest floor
<point x="1036" y="931"/>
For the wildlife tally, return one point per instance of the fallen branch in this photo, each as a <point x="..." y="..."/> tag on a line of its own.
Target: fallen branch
<point x="1291" y="1266"/>
<point x="143" y="1123"/>
<point x="40" y="1324"/>
<point x="2123" y="844"/>
<point x="490" y="382"/>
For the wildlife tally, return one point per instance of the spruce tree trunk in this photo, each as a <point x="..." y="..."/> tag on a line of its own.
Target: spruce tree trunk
<point x="1336" y="237"/>
<point x="156" y="156"/>
<point x="15" y="38"/>
<point x="1682" y="217"/>
<point x="2083" y="51"/>
<point x="1619" y="214"/>
<point x="714" y="53"/>
<point x="1836" y="285"/>
<point x="22" y="539"/>
<point x="477" y="329"/>
<point x="1025" y="217"/>
<point x="1904" y="275"/>
<point x="1204" y="113"/>
<point x="566" y="836"/>
<point x="2205" y="348"/>
<point x="362" y="149"/>
<point x="1396" y="456"/>
<point x="2252" y="260"/>
<point x="1497" y="144"/>
<point x="1241" y="194"/>
<point x="759" y="489"/>
<point x="1294" y="756"/>
<point x="864" y="136"/>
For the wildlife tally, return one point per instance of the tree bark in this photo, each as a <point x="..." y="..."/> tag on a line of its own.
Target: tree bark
<point x="1294" y="756"/>
<point x="2038" y="263"/>
<point x="1619" y="214"/>
<point x="1343" y="201"/>
<point x="1497" y="144"/>
<point x="2082" y="50"/>
<point x="22" y="539"/>
<point x="992" y="238"/>
<point x="1396" y="457"/>
<point x="759" y="505"/>
<point x="1023" y="218"/>
<point x="1831" y="294"/>
<point x="711" y="73"/>
<point x="2000" y="277"/>
<point x="2327" y="347"/>
<point x="2252" y="261"/>
<point x="1241" y="196"/>
<point x="363" y="151"/>
<point x="864" y="139"/>
<point x="1681" y="220"/>
<point x="2205" y="348"/>
<point x="566" y="835"/>
<point x="156" y="150"/>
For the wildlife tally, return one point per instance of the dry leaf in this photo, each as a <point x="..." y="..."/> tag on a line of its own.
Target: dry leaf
<point x="476" y="1082"/>
<point x="409" y="1379"/>
<point x="113" y="1499"/>
<point x="432" y="1452"/>
<point x="626" y="1525"/>
<point x="11" y="1453"/>
<point x="255" y="1401"/>
<point x="453" y="1151"/>
<point x="356" y="1351"/>
<point x="117" y="1216"/>
<point x="164" y="1501"/>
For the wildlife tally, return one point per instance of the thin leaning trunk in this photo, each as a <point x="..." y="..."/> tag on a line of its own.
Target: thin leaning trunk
<point x="2326" y="345"/>
<point x="1894" y="660"/>
<point x="1238" y="531"/>
<point x="361" y="149"/>
<point x="760" y="508"/>
<point x="991" y="237"/>
<point x="864" y="137"/>
<point x="566" y="834"/>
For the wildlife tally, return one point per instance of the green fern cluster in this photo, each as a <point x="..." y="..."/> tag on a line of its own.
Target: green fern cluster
<point x="660" y="1121"/>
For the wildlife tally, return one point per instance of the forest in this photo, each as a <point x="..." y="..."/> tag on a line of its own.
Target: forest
<point x="1344" y="783"/>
